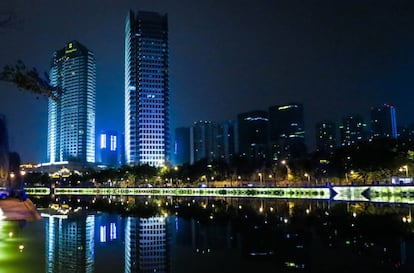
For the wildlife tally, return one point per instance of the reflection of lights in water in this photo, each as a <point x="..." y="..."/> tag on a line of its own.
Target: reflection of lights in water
<point x="21" y="248"/>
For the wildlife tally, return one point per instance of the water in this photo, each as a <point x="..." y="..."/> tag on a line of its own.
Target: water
<point x="210" y="235"/>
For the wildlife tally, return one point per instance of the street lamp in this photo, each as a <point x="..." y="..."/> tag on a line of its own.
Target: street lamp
<point x="404" y="168"/>
<point x="287" y="168"/>
<point x="261" y="179"/>
<point x="308" y="177"/>
<point x="22" y="174"/>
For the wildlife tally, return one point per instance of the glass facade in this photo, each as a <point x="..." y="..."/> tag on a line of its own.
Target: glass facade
<point x="71" y="121"/>
<point x="146" y="89"/>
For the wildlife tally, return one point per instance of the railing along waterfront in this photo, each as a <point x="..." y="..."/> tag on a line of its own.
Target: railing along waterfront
<point x="382" y="193"/>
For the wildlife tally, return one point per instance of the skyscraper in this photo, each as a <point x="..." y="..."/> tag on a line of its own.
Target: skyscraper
<point x="253" y="132"/>
<point x="352" y="130"/>
<point x="71" y="121"/>
<point x="383" y="122"/>
<point x="287" y="131"/>
<point x="146" y="89"/>
<point x="326" y="137"/>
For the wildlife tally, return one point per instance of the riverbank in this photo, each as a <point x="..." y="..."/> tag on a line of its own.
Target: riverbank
<point x="15" y="210"/>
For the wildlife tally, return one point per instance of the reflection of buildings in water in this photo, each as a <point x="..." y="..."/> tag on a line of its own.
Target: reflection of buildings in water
<point x="69" y="243"/>
<point x="146" y="245"/>
<point x="108" y="228"/>
<point x="202" y="237"/>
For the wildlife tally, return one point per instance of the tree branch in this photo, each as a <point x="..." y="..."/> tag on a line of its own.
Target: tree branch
<point x="29" y="80"/>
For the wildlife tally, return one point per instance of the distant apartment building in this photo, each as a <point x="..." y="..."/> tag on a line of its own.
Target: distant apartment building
<point x="71" y="121"/>
<point x="287" y="131"/>
<point x="252" y="132"/>
<point x="383" y="122"/>
<point x="108" y="149"/>
<point x="205" y="140"/>
<point x="146" y="89"/>
<point x="326" y="142"/>
<point x="352" y="130"/>
<point x="228" y="140"/>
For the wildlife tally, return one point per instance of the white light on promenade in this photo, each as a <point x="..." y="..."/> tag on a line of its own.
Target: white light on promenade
<point x="1" y="215"/>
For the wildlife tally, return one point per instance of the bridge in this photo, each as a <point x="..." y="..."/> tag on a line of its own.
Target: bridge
<point x="368" y="193"/>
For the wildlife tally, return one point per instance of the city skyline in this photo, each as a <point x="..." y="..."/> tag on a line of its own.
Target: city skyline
<point x="334" y="58"/>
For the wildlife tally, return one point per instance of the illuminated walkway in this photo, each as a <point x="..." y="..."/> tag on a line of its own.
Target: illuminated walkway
<point x="383" y="193"/>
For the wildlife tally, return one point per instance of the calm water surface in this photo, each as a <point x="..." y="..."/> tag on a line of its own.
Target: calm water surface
<point x="212" y="235"/>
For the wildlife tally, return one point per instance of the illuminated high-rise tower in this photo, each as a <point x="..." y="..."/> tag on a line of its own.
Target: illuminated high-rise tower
<point x="383" y="122"/>
<point x="146" y="89"/>
<point x="71" y="121"/>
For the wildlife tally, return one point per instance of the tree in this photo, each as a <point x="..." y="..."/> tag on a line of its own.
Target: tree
<point x="29" y="80"/>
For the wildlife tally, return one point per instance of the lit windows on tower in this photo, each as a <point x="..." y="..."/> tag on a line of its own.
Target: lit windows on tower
<point x="108" y="153"/>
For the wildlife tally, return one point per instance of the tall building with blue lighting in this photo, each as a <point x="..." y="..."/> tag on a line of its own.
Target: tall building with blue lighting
<point x="383" y="122"/>
<point x="146" y="89"/>
<point x="71" y="121"/>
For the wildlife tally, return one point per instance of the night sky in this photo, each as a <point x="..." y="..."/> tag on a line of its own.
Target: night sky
<point x="226" y="57"/>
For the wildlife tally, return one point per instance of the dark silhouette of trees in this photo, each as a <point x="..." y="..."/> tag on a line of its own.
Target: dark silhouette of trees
<point x="29" y="80"/>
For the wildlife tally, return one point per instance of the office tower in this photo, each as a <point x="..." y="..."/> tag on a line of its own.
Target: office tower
<point x="4" y="151"/>
<point x="182" y="146"/>
<point x="71" y="121"/>
<point x="326" y="137"/>
<point x="146" y="89"/>
<point x="287" y="131"/>
<point x="383" y="122"/>
<point x="108" y="148"/>
<point x="352" y="130"/>
<point x="253" y="132"/>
